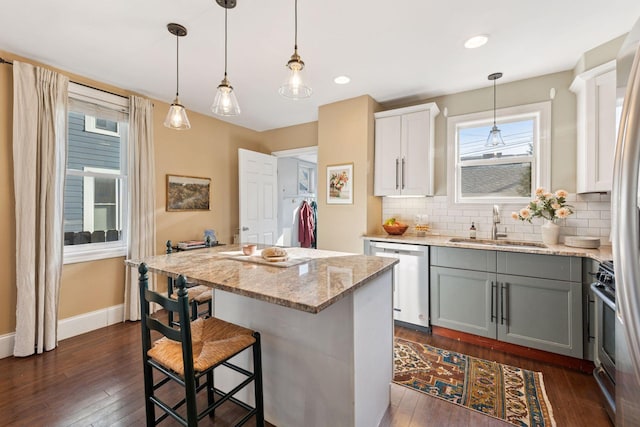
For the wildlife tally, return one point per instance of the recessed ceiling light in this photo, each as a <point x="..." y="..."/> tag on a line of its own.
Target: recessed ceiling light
<point x="476" y="41"/>
<point x="342" y="80"/>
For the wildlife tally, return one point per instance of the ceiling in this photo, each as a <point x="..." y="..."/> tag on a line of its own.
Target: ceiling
<point x="393" y="51"/>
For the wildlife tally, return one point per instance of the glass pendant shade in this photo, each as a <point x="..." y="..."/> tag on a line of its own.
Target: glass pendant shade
<point x="294" y="87"/>
<point x="225" y="103"/>
<point x="495" y="137"/>
<point x="177" y="117"/>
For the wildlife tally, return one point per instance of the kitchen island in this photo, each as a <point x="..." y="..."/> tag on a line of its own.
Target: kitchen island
<point x="326" y="325"/>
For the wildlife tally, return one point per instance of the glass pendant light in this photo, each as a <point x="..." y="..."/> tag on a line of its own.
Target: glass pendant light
<point x="495" y="137"/>
<point x="294" y="87"/>
<point x="225" y="103"/>
<point x="177" y="116"/>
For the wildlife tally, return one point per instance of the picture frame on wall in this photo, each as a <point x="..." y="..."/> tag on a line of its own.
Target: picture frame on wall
<point x="188" y="193"/>
<point x="340" y="184"/>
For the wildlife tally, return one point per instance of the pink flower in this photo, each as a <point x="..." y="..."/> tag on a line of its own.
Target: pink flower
<point x="514" y="215"/>
<point x="561" y="193"/>
<point x="525" y="213"/>
<point x="540" y="191"/>
<point x="563" y="212"/>
<point x="556" y="206"/>
<point x="548" y="195"/>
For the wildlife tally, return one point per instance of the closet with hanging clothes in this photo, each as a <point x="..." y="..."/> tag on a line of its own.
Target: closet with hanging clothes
<point x="297" y="207"/>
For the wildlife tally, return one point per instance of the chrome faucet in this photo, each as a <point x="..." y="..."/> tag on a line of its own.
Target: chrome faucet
<point x="496" y="220"/>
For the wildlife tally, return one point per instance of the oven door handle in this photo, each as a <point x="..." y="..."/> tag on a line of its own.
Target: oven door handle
<point x="604" y="297"/>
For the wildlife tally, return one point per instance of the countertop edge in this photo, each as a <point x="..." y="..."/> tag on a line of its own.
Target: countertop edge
<point x="603" y="253"/>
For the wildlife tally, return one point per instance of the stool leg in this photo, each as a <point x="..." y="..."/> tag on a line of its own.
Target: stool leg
<point x="194" y="310"/>
<point x="210" y="392"/>
<point x="257" y="369"/>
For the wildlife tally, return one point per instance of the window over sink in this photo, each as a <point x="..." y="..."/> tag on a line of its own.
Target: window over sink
<point x="507" y="173"/>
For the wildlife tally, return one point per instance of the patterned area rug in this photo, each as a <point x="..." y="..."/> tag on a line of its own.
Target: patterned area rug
<point x="512" y="394"/>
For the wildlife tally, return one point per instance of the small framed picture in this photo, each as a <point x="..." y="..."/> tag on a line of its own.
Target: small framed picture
<point x="340" y="184"/>
<point x="188" y="193"/>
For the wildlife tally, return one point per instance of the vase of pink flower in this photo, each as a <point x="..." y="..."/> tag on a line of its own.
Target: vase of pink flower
<point x="550" y="207"/>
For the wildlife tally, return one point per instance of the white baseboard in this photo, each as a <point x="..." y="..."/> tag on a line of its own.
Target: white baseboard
<point x="72" y="326"/>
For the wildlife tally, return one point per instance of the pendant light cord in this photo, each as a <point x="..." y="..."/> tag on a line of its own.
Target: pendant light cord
<point x="494" y="102"/>
<point x="295" y="43"/>
<point x="225" y="40"/>
<point x="177" y="62"/>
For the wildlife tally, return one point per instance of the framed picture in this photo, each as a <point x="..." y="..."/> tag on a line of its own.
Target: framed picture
<point x="340" y="184"/>
<point x="188" y="193"/>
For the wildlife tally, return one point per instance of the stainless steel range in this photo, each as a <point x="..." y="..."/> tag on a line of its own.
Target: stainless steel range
<point x="604" y="289"/>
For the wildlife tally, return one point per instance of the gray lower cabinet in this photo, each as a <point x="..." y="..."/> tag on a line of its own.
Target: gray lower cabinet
<point x="461" y="300"/>
<point x="503" y="301"/>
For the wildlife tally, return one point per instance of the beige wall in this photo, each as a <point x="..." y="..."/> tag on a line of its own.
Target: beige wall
<point x="599" y="55"/>
<point x="345" y="135"/>
<point x="563" y="121"/>
<point x="287" y="138"/>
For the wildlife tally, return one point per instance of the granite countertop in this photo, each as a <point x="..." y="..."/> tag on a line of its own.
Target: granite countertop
<point x="603" y="253"/>
<point x="311" y="285"/>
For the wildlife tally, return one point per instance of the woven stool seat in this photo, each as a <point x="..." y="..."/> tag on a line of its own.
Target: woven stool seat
<point x="213" y="340"/>
<point x="198" y="293"/>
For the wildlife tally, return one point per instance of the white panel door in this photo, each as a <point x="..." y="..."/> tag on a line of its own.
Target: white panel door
<point x="258" y="181"/>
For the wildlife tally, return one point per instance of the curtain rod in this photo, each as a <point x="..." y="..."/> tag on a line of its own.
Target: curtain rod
<point x="4" y="61"/>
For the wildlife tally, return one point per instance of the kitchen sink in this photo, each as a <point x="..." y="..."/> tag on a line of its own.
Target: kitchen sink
<point x="489" y="242"/>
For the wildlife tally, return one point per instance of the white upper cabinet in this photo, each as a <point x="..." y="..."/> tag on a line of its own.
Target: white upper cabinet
<point x="404" y="151"/>
<point x="595" y="91"/>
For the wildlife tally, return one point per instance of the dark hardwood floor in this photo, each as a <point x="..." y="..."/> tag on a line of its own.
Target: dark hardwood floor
<point x="95" y="379"/>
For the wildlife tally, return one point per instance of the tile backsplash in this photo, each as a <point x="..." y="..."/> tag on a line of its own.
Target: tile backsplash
<point x="591" y="217"/>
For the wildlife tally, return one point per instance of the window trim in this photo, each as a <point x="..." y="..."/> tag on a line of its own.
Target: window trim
<point x="540" y="165"/>
<point x="103" y="250"/>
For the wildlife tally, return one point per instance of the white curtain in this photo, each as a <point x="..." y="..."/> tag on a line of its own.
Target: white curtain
<point x="39" y="163"/>
<point x="142" y="197"/>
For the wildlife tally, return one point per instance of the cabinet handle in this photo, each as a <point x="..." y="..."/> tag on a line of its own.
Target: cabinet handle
<point x="502" y="303"/>
<point x="403" y="168"/>
<point x="493" y="297"/>
<point x="397" y="165"/>
<point x="504" y="295"/>
<point x="589" y="336"/>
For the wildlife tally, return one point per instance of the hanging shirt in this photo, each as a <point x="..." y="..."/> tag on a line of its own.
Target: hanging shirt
<point x="305" y="225"/>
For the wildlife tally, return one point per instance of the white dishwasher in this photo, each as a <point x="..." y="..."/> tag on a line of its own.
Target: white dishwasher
<point x="410" y="279"/>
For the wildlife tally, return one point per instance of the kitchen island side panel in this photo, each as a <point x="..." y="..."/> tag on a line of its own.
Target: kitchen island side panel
<point x="330" y="368"/>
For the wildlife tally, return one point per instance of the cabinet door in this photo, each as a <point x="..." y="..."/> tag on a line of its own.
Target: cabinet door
<point x="540" y="313"/>
<point x="387" y="156"/>
<point x="416" y="153"/>
<point x="595" y="92"/>
<point x="464" y="300"/>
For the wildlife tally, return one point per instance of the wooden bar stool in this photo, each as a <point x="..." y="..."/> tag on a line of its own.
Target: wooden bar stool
<point x="190" y="351"/>
<point x="198" y="296"/>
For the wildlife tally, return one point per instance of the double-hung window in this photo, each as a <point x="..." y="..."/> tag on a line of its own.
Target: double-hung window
<point x="95" y="192"/>
<point x="509" y="173"/>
